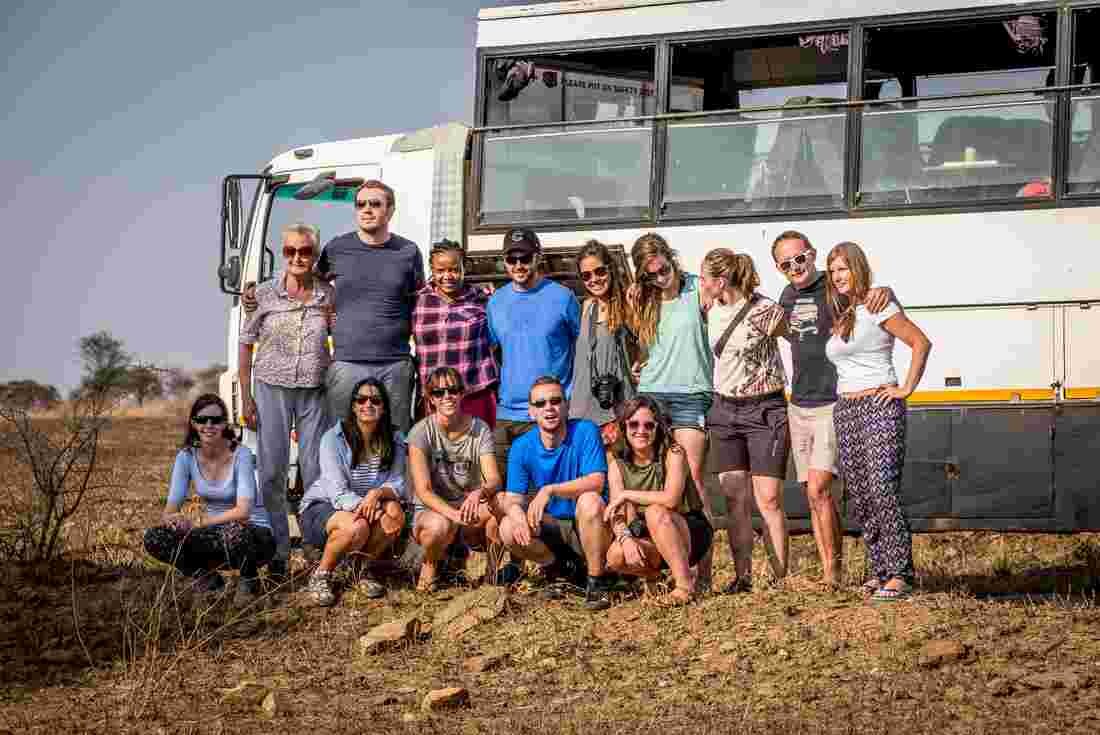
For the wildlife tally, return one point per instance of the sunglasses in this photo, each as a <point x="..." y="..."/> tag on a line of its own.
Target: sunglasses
<point x="800" y="260"/>
<point x="661" y="272"/>
<point x="449" y="390"/>
<point x="305" y="252"/>
<point x="517" y="259"/>
<point x="208" y="420"/>
<point x="363" y="400"/>
<point x="598" y="272"/>
<point x="372" y="203"/>
<point x="643" y="425"/>
<point x="541" y="403"/>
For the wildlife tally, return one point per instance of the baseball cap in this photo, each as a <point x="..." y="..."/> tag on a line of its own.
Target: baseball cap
<point x="523" y="240"/>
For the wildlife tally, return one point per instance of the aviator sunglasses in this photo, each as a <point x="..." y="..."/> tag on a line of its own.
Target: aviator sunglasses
<point x="634" y="425"/>
<point x="362" y="400"/>
<point x="554" y="401"/>
<point x="448" y="390"/>
<point x="598" y="272"/>
<point x="305" y="252"/>
<point x="799" y="260"/>
<point x="208" y="420"/>
<point x="372" y="203"/>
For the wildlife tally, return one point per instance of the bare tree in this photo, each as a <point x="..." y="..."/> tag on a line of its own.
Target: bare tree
<point x="144" y="381"/>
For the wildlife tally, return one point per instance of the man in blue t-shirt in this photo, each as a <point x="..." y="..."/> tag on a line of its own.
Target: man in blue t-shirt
<point x="558" y="470"/>
<point x="534" y="322"/>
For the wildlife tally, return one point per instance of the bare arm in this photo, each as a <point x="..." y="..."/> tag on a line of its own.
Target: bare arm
<point x="244" y="380"/>
<point x="590" y="483"/>
<point x="901" y="327"/>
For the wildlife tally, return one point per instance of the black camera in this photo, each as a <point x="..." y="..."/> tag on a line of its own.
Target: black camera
<point x="606" y="389"/>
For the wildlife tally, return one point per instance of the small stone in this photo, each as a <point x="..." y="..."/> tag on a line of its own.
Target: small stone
<point x="408" y="717"/>
<point x="405" y="690"/>
<point x="449" y="698"/>
<point x="783" y="653"/>
<point x="269" y="706"/>
<point x="246" y="692"/>
<point x="470" y="610"/>
<point x="386" y="636"/>
<point x="937" y="653"/>
<point x="999" y="687"/>
<point x="482" y="664"/>
<point x="523" y="691"/>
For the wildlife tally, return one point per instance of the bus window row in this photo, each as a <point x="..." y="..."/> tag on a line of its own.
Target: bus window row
<point x="948" y="112"/>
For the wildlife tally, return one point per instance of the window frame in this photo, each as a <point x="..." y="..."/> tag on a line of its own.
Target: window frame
<point x="856" y="26"/>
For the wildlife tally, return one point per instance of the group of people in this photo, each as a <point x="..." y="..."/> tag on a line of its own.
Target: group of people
<point x="575" y="436"/>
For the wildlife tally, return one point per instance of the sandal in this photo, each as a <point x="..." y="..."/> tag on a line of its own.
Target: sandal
<point x="893" y="594"/>
<point x="871" y="586"/>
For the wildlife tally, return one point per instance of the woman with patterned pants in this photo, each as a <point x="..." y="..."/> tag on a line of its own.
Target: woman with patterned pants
<point x="870" y="416"/>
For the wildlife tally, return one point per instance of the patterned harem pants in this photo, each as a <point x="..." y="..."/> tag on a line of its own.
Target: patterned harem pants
<point x="228" y="545"/>
<point x="871" y="440"/>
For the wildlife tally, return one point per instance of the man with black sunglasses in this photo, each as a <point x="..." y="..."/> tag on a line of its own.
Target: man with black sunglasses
<point x="376" y="274"/>
<point x="813" y="388"/>
<point x="535" y="323"/>
<point x="557" y="470"/>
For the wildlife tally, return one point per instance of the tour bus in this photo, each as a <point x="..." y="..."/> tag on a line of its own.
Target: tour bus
<point x="959" y="145"/>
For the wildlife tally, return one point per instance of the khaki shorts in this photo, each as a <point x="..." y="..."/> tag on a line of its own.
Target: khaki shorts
<point x="813" y="439"/>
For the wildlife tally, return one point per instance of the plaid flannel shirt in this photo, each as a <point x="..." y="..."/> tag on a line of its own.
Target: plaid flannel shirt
<point x="454" y="334"/>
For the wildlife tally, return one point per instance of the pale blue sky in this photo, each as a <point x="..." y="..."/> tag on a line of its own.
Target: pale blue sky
<point x="121" y="118"/>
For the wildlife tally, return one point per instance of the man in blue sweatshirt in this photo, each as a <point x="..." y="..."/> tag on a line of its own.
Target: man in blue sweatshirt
<point x="534" y="322"/>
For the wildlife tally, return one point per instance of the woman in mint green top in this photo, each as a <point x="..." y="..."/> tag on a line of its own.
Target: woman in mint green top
<point x="676" y="370"/>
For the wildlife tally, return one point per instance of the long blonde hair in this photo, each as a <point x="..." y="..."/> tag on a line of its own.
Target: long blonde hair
<point x="737" y="268"/>
<point x="861" y="277"/>
<point x="647" y="313"/>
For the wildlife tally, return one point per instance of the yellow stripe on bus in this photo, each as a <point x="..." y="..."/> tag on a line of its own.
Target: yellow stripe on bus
<point x="998" y="395"/>
<point x="1082" y="393"/>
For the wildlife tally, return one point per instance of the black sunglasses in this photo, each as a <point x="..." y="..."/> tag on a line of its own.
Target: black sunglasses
<point x="517" y="259"/>
<point x="554" y="401"/>
<point x="372" y="203"/>
<point x="449" y="390"/>
<point x="204" y="420"/>
<point x="374" y="400"/>
<point x="661" y="272"/>
<point x="598" y="272"/>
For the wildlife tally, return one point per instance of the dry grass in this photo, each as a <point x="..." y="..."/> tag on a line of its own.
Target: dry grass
<point x="103" y="642"/>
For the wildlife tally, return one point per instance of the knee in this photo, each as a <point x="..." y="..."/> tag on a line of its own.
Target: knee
<point x="590" y="508"/>
<point x="769" y="503"/>
<point x="435" y="531"/>
<point x="507" y="532"/>
<point x="819" y="494"/>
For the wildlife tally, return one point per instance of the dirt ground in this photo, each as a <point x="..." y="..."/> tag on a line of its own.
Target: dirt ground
<point x="1002" y="637"/>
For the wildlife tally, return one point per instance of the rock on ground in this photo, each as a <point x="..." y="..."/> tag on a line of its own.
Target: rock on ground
<point x="386" y="636"/>
<point x="469" y="610"/>
<point x="448" y="698"/>
<point x="937" y="653"/>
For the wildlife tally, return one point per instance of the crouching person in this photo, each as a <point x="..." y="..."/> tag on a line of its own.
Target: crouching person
<point x="358" y="503"/>
<point x="557" y="470"/>
<point x="235" y="531"/>
<point x="656" y="514"/>
<point x="454" y="474"/>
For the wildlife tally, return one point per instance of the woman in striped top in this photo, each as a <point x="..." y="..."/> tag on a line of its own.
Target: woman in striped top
<point x="358" y="503"/>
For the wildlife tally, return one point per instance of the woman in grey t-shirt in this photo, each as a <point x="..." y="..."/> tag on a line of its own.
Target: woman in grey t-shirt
<point x="454" y="474"/>
<point x="870" y="416"/>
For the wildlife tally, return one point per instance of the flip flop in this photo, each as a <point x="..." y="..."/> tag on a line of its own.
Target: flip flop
<point x="893" y="594"/>
<point x="871" y="586"/>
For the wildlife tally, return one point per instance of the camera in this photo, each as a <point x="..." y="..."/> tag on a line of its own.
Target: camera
<point x="605" y="389"/>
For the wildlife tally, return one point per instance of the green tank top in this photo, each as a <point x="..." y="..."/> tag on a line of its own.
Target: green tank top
<point x="651" y="478"/>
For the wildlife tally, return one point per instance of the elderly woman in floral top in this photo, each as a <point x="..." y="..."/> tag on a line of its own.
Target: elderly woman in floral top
<point x="288" y="330"/>
<point x="451" y="329"/>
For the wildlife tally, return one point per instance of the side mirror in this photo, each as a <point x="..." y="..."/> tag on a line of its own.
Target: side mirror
<point x="230" y="273"/>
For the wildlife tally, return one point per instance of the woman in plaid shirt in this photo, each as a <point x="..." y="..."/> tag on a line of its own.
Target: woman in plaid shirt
<point x="451" y="329"/>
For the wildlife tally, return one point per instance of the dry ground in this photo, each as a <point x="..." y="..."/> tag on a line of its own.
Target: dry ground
<point x="105" y="642"/>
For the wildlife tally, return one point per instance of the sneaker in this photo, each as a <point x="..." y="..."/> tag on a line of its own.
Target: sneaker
<point x="371" y="587"/>
<point x="508" y="574"/>
<point x="596" y="596"/>
<point x="320" y="588"/>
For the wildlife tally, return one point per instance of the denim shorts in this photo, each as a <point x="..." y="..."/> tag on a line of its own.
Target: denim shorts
<point x="684" y="410"/>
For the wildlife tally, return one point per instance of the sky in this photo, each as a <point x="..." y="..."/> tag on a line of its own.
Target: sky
<point x="120" y="119"/>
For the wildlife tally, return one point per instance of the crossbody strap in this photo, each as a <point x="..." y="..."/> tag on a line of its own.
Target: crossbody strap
<point x="721" y="345"/>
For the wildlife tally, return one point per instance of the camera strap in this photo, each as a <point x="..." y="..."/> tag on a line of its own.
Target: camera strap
<point x="593" y="315"/>
<point x="721" y="344"/>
